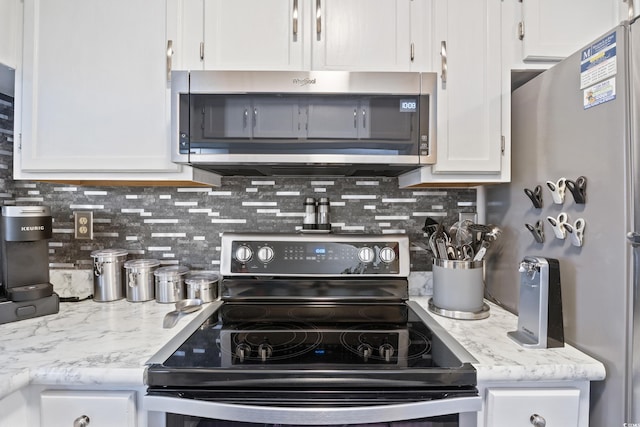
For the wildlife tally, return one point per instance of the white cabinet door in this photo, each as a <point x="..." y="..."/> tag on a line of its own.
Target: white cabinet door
<point x="253" y="34"/>
<point x="361" y="35"/>
<point x="509" y="407"/>
<point x="188" y="43"/>
<point x="552" y="30"/>
<point x="9" y="32"/>
<point x="64" y="408"/>
<point x="469" y="87"/>
<point x="94" y="87"/>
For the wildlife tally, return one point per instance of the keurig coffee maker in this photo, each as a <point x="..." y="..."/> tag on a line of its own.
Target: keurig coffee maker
<point x="25" y="290"/>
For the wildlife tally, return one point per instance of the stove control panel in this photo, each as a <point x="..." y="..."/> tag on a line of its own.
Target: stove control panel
<point x="309" y="255"/>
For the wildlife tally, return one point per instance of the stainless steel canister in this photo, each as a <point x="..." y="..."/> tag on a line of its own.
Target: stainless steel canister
<point x="457" y="285"/>
<point x="140" y="280"/>
<point x="170" y="283"/>
<point x="202" y="285"/>
<point x="108" y="274"/>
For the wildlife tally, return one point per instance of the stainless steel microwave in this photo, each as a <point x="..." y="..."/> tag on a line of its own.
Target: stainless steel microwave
<point x="256" y="123"/>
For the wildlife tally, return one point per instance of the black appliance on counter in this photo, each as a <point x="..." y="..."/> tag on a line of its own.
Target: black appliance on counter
<point x="25" y="290"/>
<point x="312" y="329"/>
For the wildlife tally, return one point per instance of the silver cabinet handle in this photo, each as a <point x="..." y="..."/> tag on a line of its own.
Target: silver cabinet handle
<point x="318" y="17"/>
<point x="255" y="116"/>
<point x="201" y="51"/>
<point x="632" y="11"/>
<point x="295" y="18"/>
<point x="169" y="58"/>
<point x="364" y="119"/>
<point x="538" y="420"/>
<point x="443" y="57"/>
<point x="245" y="118"/>
<point x="355" y="117"/>
<point x="81" y="421"/>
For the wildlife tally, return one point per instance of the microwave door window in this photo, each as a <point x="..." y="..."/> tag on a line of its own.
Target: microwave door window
<point x="333" y="118"/>
<point x="277" y="117"/>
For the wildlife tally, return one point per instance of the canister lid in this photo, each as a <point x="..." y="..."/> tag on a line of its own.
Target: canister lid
<point x="171" y="271"/>
<point x="202" y="278"/>
<point x="109" y="253"/>
<point x="141" y="264"/>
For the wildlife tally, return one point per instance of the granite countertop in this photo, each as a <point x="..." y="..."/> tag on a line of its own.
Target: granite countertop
<point x="108" y="343"/>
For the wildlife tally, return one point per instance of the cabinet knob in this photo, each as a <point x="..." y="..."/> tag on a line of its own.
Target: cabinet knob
<point x="538" y="420"/>
<point x="81" y="421"/>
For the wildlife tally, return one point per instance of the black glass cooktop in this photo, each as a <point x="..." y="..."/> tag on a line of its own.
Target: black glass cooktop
<point x="305" y="345"/>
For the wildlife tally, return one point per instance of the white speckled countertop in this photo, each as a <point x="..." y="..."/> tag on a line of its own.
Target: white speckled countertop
<point x="108" y="343"/>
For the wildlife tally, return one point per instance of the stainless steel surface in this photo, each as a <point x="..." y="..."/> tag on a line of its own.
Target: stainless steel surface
<point x="203" y="286"/>
<point x="169" y="284"/>
<point x="443" y="62"/>
<point x="169" y="59"/>
<point x="183" y="307"/>
<point x="553" y="135"/>
<point x="139" y="278"/>
<point x="294" y="16"/>
<point x="309" y="82"/>
<point x="483" y="313"/>
<point x="313" y="415"/>
<point x="108" y="274"/>
<point x="228" y="239"/>
<point x="25" y="211"/>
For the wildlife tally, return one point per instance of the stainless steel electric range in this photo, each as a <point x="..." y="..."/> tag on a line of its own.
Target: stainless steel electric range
<point x="313" y="329"/>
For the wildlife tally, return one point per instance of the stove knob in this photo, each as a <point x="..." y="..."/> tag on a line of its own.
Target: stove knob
<point x="243" y="350"/>
<point x="265" y="254"/>
<point x="365" y="350"/>
<point x="244" y="253"/>
<point x="265" y="351"/>
<point x="386" y="351"/>
<point x="366" y="255"/>
<point x="387" y="255"/>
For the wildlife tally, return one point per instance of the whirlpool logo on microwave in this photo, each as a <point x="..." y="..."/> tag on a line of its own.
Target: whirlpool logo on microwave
<point x="32" y="228"/>
<point x="304" y="82"/>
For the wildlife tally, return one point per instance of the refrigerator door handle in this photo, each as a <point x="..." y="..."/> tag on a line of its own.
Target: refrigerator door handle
<point x="633" y="387"/>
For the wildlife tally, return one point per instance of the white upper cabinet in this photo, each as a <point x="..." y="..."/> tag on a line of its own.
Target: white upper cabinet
<point x="10" y="13"/>
<point x="551" y="30"/>
<point x="95" y="95"/>
<point x="362" y="35"/>
<point x="467" y="57"/>
<point x="352" y="35"/>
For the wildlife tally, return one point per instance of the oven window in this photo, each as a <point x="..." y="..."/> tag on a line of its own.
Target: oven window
<point x="176" y="420"/>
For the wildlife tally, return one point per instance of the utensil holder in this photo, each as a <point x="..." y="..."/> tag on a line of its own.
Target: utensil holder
<point x="458" y="289"/>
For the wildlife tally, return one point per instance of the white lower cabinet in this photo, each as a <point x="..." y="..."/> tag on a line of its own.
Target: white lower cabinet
<point x="14" y="409"/>
<point x="87" y="408"/>
<point x="535" y="404"/>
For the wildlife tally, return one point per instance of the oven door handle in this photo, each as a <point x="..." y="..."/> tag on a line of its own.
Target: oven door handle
<point x="312" y="415"/>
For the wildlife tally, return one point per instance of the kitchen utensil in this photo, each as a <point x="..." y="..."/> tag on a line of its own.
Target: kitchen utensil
<point x="202" y="285"/>
<point x="430" y="226"/>
<point x="108" y="274"/>
<point x="170" y="283"/>
<point x="482" y="251"/>
<point x="578" y="189"/>
<point x="139" y="279"/>
<point x="535" y="195"/>
<point x="183" y="307"/>
<point x="558" y="225"/>
<point x="557" y="190"/>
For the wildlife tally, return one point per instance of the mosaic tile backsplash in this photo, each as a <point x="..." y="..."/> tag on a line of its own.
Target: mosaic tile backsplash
<point x="183" y="225"/>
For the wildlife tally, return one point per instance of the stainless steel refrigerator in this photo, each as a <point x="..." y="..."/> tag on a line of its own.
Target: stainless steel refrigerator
<point x="580" y="120"/>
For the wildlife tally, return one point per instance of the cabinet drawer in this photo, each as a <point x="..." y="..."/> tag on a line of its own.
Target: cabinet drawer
<point x="60" y="408"/>
<point x="513" y="407"/>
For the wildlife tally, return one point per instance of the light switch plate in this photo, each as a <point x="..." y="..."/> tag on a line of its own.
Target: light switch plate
<point x="83" y="224"/>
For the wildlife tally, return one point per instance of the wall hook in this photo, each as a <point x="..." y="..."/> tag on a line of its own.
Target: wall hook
<point x="537" y="231"/>
<point x="579" y="189"/>
<point x="535" y="195"/>
<point x="557" y="190"/>
<point x="576" y="232"/>
<point x="558" y="225"/>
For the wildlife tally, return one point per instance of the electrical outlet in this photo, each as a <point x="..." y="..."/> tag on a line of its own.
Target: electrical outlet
<point x="83" y="224"/>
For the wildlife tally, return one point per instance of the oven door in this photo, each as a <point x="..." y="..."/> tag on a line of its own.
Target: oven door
<point x="176" y="411"/>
